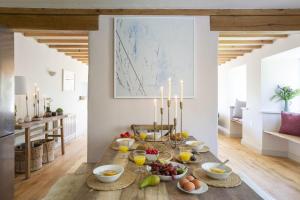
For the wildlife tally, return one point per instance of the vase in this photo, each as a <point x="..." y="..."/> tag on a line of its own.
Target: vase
<point x="286" y="106"/>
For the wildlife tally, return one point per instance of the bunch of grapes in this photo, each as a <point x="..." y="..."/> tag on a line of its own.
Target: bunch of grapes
<point x="165" y="169"/>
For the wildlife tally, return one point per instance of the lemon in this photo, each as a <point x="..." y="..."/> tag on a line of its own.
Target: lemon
<point x="217" y="170"/>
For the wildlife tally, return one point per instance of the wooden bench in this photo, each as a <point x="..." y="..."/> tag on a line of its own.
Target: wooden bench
<point x="291" y="138"/>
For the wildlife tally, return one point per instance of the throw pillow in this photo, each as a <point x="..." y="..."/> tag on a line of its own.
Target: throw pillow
<point x="290" y="123"/>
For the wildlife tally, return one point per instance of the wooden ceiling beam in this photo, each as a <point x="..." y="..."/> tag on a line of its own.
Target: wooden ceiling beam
<point x="73" y="50"/>
<point x="76" y="54"/>
<point x="242" y="42"/>
<point x="63" y="41"/>
<point x="239" y="47"/>
<point x="234" y="51"/>
<point x="55" y="34"/>
<point x="59" y="46"/>
<point x="251" y="35"/>
<point x="229" y="55"/>
<point x="193" y="12"/>
<point x="49" y="22"/>
<point x="81" y="56"/>
<point x="255" y="23"/>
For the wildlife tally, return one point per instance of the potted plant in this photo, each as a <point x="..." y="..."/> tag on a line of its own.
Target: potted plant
<point x="60" y="111"/>
<point x="285" y="94"/>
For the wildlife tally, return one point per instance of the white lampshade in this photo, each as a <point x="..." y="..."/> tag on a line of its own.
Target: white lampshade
<point x="20" y="85"/>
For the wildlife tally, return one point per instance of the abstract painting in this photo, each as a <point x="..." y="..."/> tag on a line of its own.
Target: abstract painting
<point x="150" y="50"/>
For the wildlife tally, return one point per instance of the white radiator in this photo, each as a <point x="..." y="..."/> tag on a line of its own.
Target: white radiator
<point x="70" y="127"/>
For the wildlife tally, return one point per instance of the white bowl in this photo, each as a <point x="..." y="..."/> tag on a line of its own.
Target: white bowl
<point x="130" y="141"/>
<point x="195" y="145"/>
<point x="98" y="172"/>
<point x="152" y="157"/>
<point x="150" y="135"/>
<point x="169" y="178"/>
<point x="207" y="166"/>
<point x="200" y="190"/>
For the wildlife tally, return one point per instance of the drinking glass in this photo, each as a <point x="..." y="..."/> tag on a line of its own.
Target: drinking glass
<point x="139" y="157"/>
<point x="123" y="148"/>
<point x="185" y="154"/>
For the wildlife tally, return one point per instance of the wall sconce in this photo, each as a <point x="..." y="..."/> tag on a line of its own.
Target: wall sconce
<point x="51" y="72"/>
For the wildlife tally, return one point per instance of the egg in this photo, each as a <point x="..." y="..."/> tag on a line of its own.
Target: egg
<point x="189" y="186"/>
<point x="190" y="178"/>
<point x="183" y="181"/>
<point x="197" y="183"/>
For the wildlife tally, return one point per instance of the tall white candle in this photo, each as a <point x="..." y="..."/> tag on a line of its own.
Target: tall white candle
<point x="181" y="90"/>
<point x="170" y="88"/>
<point x="155" y="110"/>
<point x="176" y="105"/>
<point x="162" y="96"/>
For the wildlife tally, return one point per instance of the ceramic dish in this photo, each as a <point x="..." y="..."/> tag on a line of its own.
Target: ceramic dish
<point x="130" y="141"/>
<point x="98" y="172"/>
<point x="169" y="178"/>
<point x="195" y="145"/>
<point x="202" y="189"/>
<point x="152" y="157"/>
<point x="220" y="176"/>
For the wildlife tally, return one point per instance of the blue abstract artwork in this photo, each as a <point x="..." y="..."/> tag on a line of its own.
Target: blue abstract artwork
<point x="150" y="50"/>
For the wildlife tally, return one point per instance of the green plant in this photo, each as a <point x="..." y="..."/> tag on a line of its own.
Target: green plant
<point x="59" y="110"/>
<point x="285" y="93"/>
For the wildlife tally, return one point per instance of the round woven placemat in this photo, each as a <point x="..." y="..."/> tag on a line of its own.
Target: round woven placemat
<point x="126" y="179"/>
<point x="165" y="156"/>
<point x="232" y="181"/>
<point x="161" y="147"/>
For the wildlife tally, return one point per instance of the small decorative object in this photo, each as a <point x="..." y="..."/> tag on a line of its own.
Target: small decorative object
<point x="27" y="119"/>
<point x="285" y="94"/>
<point x="54" y="113"/>
<point x="51" y="72"/>
<point x="60" y="111"/>
<point x="48" y="112"/>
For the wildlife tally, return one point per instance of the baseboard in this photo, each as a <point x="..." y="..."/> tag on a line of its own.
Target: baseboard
<point x="294" y="157"/>
<point x="250" y="146"/>
<point x="223" y="130"/>
<point x="269" y="152"/>
<point x="255" y="187"/>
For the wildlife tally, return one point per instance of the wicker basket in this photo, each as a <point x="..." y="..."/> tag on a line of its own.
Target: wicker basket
<point x="36" y="157"/>
<point x="48" y="150"/>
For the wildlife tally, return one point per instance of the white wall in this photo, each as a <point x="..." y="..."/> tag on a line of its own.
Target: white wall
<point x="153" y="3"/>
<point x="281" y="69"/>
<point x="32" y="60"/>
<point x="108" y="116"/>
<point x="254" y="118"/>
<point x="232" y="85"/>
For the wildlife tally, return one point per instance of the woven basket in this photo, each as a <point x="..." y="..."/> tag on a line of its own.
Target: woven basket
<point x="36" y="157"/>
<point x="48" y="150"/>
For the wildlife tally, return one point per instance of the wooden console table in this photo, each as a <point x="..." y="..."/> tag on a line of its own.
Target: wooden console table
<point x="54" y="131"/>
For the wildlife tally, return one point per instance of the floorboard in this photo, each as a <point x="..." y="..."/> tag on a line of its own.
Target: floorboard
<point x="279" y="177"/>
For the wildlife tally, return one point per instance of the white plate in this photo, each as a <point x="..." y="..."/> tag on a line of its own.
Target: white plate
<point x="200" y="190"/>
<point x="169" y="178"/>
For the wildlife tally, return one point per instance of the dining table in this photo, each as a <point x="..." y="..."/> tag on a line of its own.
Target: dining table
<point x="166" y="190"/>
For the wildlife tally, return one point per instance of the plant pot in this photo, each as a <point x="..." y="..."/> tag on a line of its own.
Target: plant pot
<point x="54" y="114"/>
<point x="60" y="113"/>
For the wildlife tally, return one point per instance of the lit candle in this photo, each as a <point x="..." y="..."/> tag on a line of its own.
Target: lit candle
<point x="170" y="88"/>
<point x="176" y="106"/>
<point x="181" y="90"/>
<point x="162" y="96"/>
<point x="155" y="110"/>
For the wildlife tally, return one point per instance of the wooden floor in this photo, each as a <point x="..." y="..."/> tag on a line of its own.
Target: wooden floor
<point x="41" y="181"/>
<point x="278" y="177"/>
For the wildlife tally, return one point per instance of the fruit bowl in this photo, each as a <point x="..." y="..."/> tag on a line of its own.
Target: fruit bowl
<point x="169" y="177"/>
<point x="152" y="154"/>
<point x="121" y="140"/>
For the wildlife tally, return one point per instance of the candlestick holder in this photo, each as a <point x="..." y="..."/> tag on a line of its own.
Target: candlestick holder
<point x="161" y="123"/>
<point x="174" y="142"/>
<point x="169" y="128"/>
<point x="181" y="110"/>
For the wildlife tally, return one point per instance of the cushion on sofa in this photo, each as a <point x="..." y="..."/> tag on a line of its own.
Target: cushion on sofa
<point x="238" y="112"/>
<point x="290" y="123"/>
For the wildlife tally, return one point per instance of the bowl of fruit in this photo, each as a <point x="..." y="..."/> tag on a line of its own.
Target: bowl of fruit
<point x="126" y="135"/>
<point x="167" y="171"/>
<point x="192" y="185"/>
<point x="152" y="154"/>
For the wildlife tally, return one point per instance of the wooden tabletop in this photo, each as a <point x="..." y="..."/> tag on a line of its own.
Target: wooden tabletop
<point x="165" y="190"/>
<point x="42" y="121"/>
